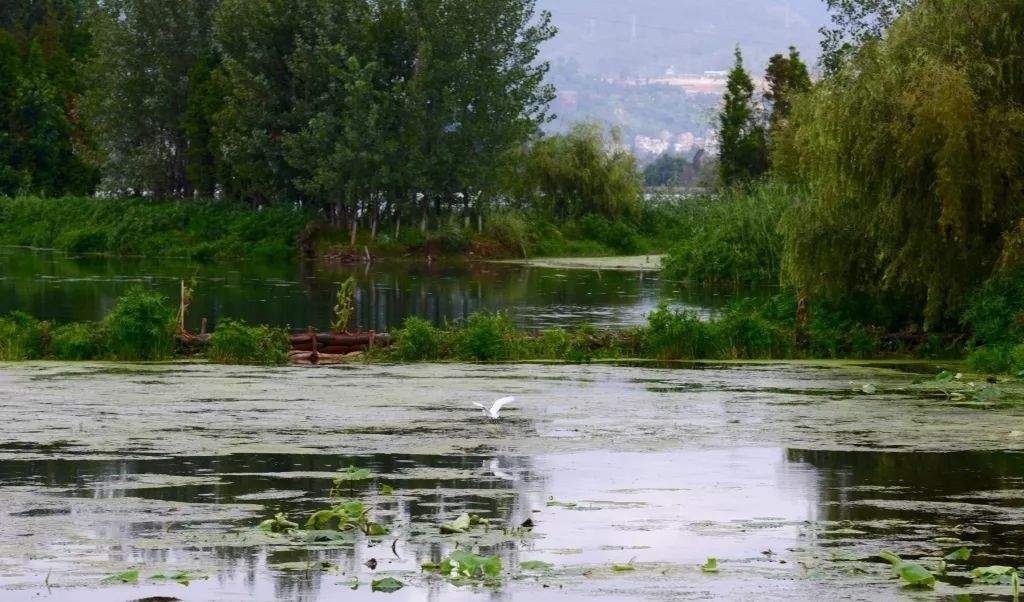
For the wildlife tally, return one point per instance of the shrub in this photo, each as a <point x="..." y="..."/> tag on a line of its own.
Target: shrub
<point x="235" y="342"/>
<point x="23" y="337"/>
<point x="417" y="340"/>
<point x="618" y="235"/>
<point x="141" y="326"/>
<point x="509" y="230"/>
<point x="996" y="312"/>
<point x="680" y="335"/>
<point x="733" y="237"/>
<point x="746" y="333"/>
<point x="486" y="337"/>
<point x="78" y="341"/>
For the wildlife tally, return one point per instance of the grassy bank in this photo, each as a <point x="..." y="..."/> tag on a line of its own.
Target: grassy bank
<point x="214" y="230"/>
<point x="197" y="229"/>
<point x="142" y="326"/>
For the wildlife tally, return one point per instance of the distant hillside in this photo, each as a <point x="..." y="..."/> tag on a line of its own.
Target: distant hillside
<point x="629" y="38"/>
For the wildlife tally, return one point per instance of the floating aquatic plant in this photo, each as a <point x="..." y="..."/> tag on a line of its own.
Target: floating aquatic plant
<point x="910" y="573"/>
<point x="278" y="524"/>
<point x="129" y="576"/>
<point x="711" y="566"/>
<point x="465" y="565"/>
<point x="386" y="585"/>
<point x="462" y="524"/>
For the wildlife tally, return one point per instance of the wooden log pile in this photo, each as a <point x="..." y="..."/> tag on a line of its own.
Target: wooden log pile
<point x="331" y="347"/>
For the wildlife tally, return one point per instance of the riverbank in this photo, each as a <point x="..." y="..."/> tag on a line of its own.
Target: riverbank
<point x="145" y="325"/>
<point x="208" y="230"/>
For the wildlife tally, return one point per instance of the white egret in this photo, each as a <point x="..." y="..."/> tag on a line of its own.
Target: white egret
<point x="492" y="411"/>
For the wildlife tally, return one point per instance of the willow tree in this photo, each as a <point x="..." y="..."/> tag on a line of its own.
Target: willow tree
<point x="911" y="156"/>
<point x="578" y="173"/>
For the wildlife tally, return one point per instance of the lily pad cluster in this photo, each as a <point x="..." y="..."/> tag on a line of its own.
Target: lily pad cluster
<point x="463" y="524"/>
<point x="466" y="566"/>
<point x="131" y="577"/>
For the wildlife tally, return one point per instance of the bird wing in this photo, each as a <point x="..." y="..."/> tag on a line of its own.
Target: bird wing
<point x="480" y="405"/>
<point x="496" y="407"/>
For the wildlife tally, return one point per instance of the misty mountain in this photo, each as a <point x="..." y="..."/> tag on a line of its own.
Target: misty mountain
<point x="630" y="38"/>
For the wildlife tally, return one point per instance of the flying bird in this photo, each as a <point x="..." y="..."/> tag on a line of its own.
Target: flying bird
<point x="492" y="411"/>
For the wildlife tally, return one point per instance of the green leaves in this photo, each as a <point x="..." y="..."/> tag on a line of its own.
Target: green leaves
<point x="353" y="474"/>
<point x="465" y="565"/>
<point x="959" y="555"/>
<point x="535" y="565"/>
<point x="278" y="524"/>
<point x="386" y="585"/>
<point x="345" y="517"/>
<point x="462" y="524"/>
<point x="132" y="577"/>
<point x="129" y="576"/>
<point x="910" y="573"/>
<point x="994" y="574"/>
<point x="180" y="577"/>
<point x="711" y="566"/>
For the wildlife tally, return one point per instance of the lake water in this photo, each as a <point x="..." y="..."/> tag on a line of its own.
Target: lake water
<point x="790" y="476"/>
<point x="54" y="286"/>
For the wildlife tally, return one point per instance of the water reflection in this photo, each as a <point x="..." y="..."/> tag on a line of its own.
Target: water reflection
<point x="743" y="505"/>
<point x="55" y="286"/>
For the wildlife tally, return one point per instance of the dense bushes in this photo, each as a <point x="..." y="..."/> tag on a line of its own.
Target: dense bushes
<point x="199" y="229"/>
<point x="235" y="342"/>
<point x="22" y="337"/>
<point x="140" y="327"/>
<point x="731" y="237"/>
<point x="995" y="316"/>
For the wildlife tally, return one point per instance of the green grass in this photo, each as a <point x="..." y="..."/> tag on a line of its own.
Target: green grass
<point x="235" y="342"/>
<point x="140" y="327"/>
<point x="196" y="229"/>
<point x="730" y="237"/>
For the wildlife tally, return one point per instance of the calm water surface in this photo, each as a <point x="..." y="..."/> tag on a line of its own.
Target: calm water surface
<point x="787" y="474"/>
<point x="54" y="286"/>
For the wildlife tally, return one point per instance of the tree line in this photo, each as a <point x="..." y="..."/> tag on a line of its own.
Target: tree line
<point x="367" y="110"/>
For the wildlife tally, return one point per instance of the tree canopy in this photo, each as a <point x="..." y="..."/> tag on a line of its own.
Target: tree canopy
<point x="911" y="158"/>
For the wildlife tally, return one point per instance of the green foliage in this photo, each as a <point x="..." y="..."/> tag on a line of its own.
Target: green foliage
<point x="418" y="340"/>
<point x="910" y="158"/>
<point x="787" y="77"/>
<point x="995" y="313"/>
<point x="78" y="341"/>
<point x="578" y="173"/>
<point x="141" y="326"/>
<point x="997" y="359"/>
<point x="127" y="577"/>
<point x="743" y="148"/>
<point x="910" y="573"/>
<point x="671" y="171"/>
<point x="386" y="585"/>
<point x="344" y="305"/>
<point x="199" y="229"/>
<point x="462" y="565"/>
<point x="235" y="342"/>
<point x="731" y="237"/>
<point x="143" y="83"/>
<point x="23" y="337"/>
<point x="484" y="337"/>
<point x="278" y="524"/>
<point x="41" y="136"/>
<point x="679" y="335"/>
<point x="856" y="23"/>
